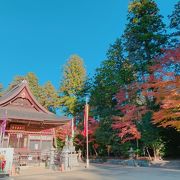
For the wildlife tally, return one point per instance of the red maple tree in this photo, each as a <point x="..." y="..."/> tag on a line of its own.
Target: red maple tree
<point x="80" y="139"/>
<point x="63" y="131"/>
<point x="163" y="85"/>
<point x="132" y="112"/>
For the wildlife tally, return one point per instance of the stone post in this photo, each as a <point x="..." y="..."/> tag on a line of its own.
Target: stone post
<point x="79" y="155"/>
<point x="52" y="154"/>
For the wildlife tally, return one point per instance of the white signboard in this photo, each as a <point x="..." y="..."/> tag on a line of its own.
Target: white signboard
<point x="30" y="158"/>
<point x="7" y="153"/>
<point x="36" y="146"/>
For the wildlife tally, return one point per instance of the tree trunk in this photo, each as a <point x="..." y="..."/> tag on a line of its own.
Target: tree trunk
<point x="95" y="151"/>
<point x="155" y="154"/>
<point x="150" y="158"/>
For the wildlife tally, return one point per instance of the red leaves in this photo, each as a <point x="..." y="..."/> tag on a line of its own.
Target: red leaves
<point x="165" y="88"/>
<point x="161" y="85"/>
<point x="127" y="129"/>
<point x="127" y="103"/>
<point x="63" y="131"/>
<point x="92" y="127"/>
<point x="121" y="96"/>
<point x="127" y="124"/>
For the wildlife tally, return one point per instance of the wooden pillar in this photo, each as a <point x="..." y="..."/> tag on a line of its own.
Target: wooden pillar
<point x="8" y="139"/>
<point x="28" y="141"/>
<point x="40" y="146"/>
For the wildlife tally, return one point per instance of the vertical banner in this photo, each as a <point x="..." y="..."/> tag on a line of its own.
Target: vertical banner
<point x="84" y="132"/>
<point x="72" y="128"/>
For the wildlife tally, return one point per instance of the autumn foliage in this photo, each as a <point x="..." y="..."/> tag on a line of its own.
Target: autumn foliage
<point x="80" y="139"/>
<point x="63" y="131"/>
<point x="132" y="111"/>
<point x="163" y="85"/>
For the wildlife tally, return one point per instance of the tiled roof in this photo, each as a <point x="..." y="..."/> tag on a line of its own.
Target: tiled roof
<point x="9" y="94"/>
<point x="25" y="114"/>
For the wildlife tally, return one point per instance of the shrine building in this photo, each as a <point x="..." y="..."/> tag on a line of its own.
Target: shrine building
<point x="29" y="127"/>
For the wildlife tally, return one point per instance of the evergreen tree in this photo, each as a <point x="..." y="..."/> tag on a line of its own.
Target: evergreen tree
<point x="107" y="81"/>
<point x="34" y="86"/>
<point x="32" y="81"/>
<point x="144" y="36"/>
<point x="175" y="24"/>
<point x="17" y="80"/>
<point x="72" y="85"/>
<point x="50" y="97"/>
<point x="46" y="95"/>
<point x="112" y="74"/>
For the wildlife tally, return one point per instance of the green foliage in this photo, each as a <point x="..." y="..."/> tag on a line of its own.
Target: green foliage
<point x="103" y="134"/>
<point x="172" y="139"/>
<point x="32" y="81"/>
<point x="17" y="80"/>
<point x="34" y="86"/>
<point x="128" y="61"/>
<point x="49" y="97"/>
<point x="151" y="135"/>
<point x="175" y="25"/>
<point x="117" y="149"/>
<point x="73" y="85"/>
<point x="46" y="95"/>
<point x="74" y="76"/>
<point x="60" y="143"/>
<point x="112" y="73"/>
<point x="175" y="18"/>
<point x="124" y="148"/>
<point x="144" y="35"/>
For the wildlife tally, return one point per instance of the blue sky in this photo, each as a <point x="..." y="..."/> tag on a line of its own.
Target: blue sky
<point x="40" y="35"/>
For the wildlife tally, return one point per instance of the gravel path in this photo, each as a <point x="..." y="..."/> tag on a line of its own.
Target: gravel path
<point x="101" y="172"/>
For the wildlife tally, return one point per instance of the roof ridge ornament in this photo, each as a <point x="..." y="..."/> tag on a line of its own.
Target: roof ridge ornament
<point x="24" y="81"/>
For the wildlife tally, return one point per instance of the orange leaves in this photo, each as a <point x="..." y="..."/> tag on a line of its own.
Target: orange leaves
<point x="168" y="96"/>
<point x="165" y="89"/>
<point x="128" y="103"/>
<point x="162" y="87"/>
<point x="92" y="127"/>
<point x="127" y="129"/>
<point x="63" y="131"/>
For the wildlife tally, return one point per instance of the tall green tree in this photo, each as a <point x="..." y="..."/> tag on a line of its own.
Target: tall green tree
<point x="114" y="72"/>
<point x="49" y="97"/>
<point x="175" y="19"/>
<point x="144" y="35"/>
<point x="107" y="80"/>
<point x="72" y="85"/>
<point x="144" y="38"/>
<point x="34" y="85"/>
<point x="175" y="24"/>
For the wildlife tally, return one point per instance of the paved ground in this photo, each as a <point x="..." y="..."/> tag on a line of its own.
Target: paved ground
<point x="101" y="172"/>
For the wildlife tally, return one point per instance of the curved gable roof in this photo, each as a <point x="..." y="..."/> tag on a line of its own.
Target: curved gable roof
<point x="13" y="93"/>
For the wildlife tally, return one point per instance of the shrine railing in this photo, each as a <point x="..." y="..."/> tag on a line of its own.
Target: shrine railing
<point x="27" y="158"/>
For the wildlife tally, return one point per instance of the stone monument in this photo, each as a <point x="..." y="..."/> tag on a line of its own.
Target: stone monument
<point x="69" y="157"/>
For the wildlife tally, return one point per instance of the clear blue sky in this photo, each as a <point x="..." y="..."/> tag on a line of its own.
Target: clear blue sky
<point x="40" y="35"/>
